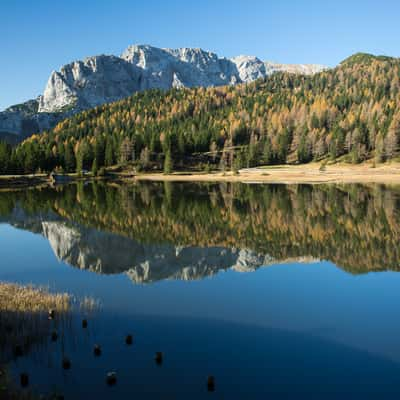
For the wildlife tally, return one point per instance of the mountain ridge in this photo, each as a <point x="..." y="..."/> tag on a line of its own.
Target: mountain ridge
<point x="365" y="58"/>
<point x="96" y="80"/>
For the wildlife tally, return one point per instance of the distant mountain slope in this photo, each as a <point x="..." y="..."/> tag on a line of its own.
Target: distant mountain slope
<point x="103" y="79"/>
<point x="20" y="121"/>
<point x="365" y="58"/>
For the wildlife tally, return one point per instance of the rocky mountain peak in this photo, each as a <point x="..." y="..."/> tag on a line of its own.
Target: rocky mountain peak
<point x="145" y="56"/>
<point x="89" y="83"/>
<point x="249" y="68"/>
<point x="199" y="58"/>
<point x="101" y="79"/>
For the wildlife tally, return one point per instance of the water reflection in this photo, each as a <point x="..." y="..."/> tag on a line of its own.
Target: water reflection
<point x="248" y="361"/>
<point x="190" y="231"/>
<point x="303" y="329"/>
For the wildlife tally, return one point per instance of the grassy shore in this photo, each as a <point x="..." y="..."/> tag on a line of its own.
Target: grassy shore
<point x="28" y="299"/>
<point x="386" y="173"/>
<point x="305" y="173"/>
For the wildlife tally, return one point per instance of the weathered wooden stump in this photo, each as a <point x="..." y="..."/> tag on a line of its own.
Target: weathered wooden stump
<point x="111" y="378"/>
<point x="211" y="383"/>
<point x="24" y="379"/>
<point x="159" y="358"/>
<point x="129" y="340"/>
<point x="97" y="350"/>
<point x="66" y="363"/>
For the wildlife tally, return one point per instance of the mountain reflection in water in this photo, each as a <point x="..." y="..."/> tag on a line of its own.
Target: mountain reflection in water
<point x="283" y="331"/>
<point x="156" y="231"/>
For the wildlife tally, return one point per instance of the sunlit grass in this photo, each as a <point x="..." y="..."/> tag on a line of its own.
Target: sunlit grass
<point x="24" y="314"/>
<point x="28" y="299"/>
<point x="24" y="322"/>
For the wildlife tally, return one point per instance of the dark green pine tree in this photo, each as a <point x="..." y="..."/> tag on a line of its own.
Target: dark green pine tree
<point x="168" y="164"/>
<point x="95" y="167"/>
<point x="5" y="158"/>
<point x="268" y="155"/>
<point x="69" y="157"/>
<point x="304" y="150"/>
<point x="109" y="153"/>
<point x="99" y="151"/>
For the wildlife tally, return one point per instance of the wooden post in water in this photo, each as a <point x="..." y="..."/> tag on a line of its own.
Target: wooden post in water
<point x="159" y="357"/>
<point x="66" y="363"/>
<point x="24" y="379"/>
<point x="111" y="378"/>
<point x="97" y="350"/>
<point x="211" y="383"/>
<point x="129" y="339"/>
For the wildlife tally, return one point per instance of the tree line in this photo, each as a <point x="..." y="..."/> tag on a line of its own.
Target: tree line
<point x="349" y="113"/>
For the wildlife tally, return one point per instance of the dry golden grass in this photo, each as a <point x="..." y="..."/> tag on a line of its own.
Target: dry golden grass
<point x="24" y="322"/>
<point x="387" y="173"/>
<point x="27" y="299"/>
<point x="24" y="314"/>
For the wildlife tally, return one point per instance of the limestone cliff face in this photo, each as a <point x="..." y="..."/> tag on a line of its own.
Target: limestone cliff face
<point x="249" y="68"/>
<point x="192" y="67"/>
<point x="89" y="83"/>
<point x="20" y="121"/>
<point x="303" y="69"/>
<point x="104" y="79"/>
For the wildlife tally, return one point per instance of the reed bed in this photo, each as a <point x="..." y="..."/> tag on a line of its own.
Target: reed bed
<point x="24" y="323"/>
<point x="24" y="318"/>
<point x="28" y="299"/>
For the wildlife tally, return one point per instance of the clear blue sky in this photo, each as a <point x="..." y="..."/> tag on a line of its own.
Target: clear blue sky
<point x="38" y="36"/>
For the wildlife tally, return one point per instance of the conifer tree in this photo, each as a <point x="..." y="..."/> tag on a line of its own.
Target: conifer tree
<point x="109" y="153"/>
<point x="168" y="164"/>
<point x="95" y="167"/>
<point x="69" y="156"/>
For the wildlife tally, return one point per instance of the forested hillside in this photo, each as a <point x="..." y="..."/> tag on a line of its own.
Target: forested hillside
<point x="351" y="112"/>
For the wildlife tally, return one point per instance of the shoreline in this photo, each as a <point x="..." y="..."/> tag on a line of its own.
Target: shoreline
<point x="287" y="174"/>
<point x="279" y="174"/>
<point x="17" y="182"/>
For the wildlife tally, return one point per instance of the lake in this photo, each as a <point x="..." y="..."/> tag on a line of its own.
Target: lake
<point x="278" y="291"/>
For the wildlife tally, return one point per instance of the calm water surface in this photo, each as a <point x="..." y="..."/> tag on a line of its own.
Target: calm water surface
<point x="278" y="291"/>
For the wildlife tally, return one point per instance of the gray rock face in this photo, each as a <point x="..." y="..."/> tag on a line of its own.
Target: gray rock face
<point x="192" y="67"/>
<point x="20" y="121"/>
<point x="89" y="83"/>
<point x="103" y="79"/>
<point x="303" y="69"/>
<point x="249" y="68"/>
